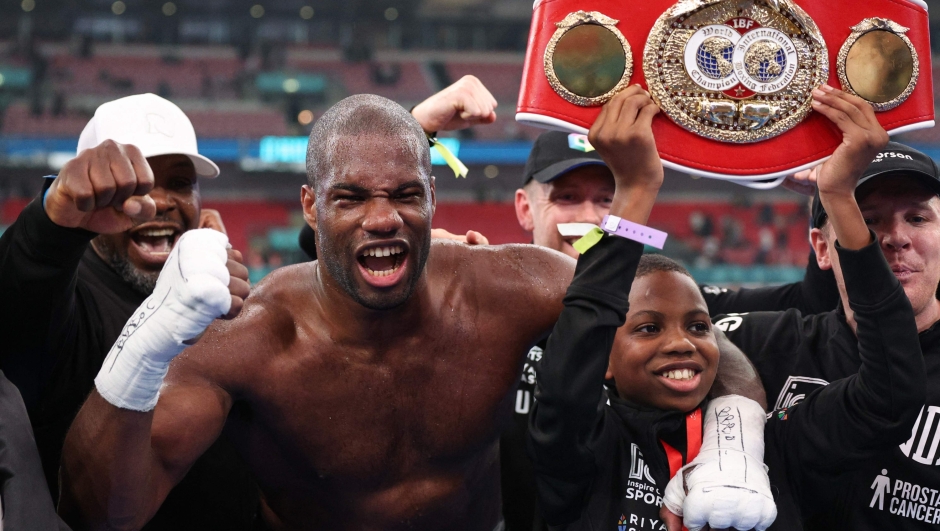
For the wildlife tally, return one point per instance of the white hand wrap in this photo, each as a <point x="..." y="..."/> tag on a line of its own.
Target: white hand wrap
<point x="727" y="484"/>
<point x="192" y="291"/>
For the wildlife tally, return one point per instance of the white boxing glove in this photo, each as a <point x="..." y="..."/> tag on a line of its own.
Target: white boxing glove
<point x="726" y="485"/>
<point x="192" y="291"/>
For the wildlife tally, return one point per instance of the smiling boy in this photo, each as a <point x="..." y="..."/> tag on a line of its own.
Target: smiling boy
<point x="597" y="463"/>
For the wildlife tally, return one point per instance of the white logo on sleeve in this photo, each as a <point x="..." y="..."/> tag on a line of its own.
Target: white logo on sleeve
<point x="714" y="290"/>
<point x="730" y="323"/>
<point x="796" y="389"/>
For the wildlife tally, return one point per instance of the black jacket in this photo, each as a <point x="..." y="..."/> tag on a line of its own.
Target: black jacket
<point x="815" y="294"/>
<point x="27" y="505"/>
<point x="894" y="488"/>
<point x="592" y="459"/>
<point x="62" y="309"/>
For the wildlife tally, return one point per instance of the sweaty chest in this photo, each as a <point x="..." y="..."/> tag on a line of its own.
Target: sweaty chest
<point x="378" y="415"/>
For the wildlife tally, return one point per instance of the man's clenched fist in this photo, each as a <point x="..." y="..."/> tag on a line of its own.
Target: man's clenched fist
<point x="104" y="189"/>
<point x="463" y="104"/>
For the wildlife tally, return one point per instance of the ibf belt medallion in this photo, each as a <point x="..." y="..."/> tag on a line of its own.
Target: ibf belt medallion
<point x="878" y="63"/>
<point x="735" y="70"/>
<point x="588" y="60"/>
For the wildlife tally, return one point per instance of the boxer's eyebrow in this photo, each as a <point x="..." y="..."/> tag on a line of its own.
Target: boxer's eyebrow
<point x="409" y="184"/>
<point x="353" y="188"/>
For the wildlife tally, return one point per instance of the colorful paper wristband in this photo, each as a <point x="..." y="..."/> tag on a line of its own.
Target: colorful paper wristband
<point x="623" y="228"/>
<point x="634" y="231"/>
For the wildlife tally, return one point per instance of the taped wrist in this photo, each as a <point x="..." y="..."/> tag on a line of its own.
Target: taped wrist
<point x="734" y="424"/>
<point x="191" y="292"/>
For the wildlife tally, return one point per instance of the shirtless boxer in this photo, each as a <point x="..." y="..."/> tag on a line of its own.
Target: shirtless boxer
<point x="366" y="390"/>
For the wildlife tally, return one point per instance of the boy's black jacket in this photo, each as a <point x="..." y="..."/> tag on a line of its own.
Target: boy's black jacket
<point x="816" y="293"/>
<point x="591" y="458"/>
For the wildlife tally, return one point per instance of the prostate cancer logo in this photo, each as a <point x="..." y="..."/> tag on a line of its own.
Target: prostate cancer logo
<point x="579" y="143"/>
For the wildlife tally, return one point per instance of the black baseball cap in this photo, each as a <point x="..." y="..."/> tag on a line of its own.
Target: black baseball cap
<point x="556" y="153"/>
<point x="894" y="159"/>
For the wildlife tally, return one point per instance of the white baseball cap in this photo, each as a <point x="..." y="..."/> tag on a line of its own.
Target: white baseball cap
<point x="156" y="126"/>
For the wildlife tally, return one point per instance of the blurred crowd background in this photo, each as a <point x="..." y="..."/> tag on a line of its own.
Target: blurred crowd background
<point x="253" y="76"/>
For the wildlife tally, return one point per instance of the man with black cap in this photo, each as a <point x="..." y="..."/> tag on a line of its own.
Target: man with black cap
<point x="797" y="354"/>
<point x="567" y="188"/>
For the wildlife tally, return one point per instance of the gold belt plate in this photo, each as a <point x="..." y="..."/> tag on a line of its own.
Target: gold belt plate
<point x="735" y="71"/>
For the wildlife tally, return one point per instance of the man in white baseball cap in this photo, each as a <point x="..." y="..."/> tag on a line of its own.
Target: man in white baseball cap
<point x="155" y="125"/>
<point x="77" y="263"/>
<point x="165" y="137"/>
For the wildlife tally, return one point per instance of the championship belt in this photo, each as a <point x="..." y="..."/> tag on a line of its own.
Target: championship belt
<point x="734" y="78"/>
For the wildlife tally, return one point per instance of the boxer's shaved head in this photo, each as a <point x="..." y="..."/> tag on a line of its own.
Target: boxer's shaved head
<point x="355" y="116"/>
<point x="369" y="167"/>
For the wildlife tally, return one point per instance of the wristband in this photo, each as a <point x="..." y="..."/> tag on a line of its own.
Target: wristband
<point x="625" y="229"/>
<point x="460" y="170"/>
<point x="633" y="231"/>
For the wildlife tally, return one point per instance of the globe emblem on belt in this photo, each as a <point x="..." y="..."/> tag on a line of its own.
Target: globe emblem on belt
<point x="713" y="57"/>
<point x="735" y="71"/>
<point x="766" y="61"/>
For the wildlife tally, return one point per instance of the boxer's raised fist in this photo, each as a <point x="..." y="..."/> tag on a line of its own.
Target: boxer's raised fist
<point x="463" y="104"/>
<point x="104" y="190"/>
<point x="199" y="283"/>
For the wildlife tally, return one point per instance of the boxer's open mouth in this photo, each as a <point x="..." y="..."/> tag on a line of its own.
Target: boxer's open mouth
<point x="384" y="260"/>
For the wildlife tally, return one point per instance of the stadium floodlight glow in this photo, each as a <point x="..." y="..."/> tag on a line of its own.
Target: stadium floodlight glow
<point x="306" y="12"/>
<point x="256" y="11"/>
<point x="391" y="14"/>
<point x="28" y="5"/>
<point x="293" y="150"/>
<point x="169" y="9"/>
<point x="305" y="117"/>
<point x="118" y="8"/>
<point x="291" y="85"/>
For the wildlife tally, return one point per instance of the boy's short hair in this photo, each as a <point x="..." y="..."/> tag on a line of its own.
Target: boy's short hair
<point x="656" y="263"/>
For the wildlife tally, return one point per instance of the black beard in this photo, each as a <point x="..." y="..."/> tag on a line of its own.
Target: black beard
<point x="140" y="281"/>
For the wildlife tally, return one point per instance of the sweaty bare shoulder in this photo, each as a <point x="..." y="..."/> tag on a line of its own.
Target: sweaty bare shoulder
<point x="232" y="350"/>
<point x="524" y="282"/>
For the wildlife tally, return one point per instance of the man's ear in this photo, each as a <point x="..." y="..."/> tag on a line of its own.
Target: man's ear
<point x="309" y="202"/>
<point x="524" y="210"/>
<point x="433" y="189"/>
<point x="821" y="247"/>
